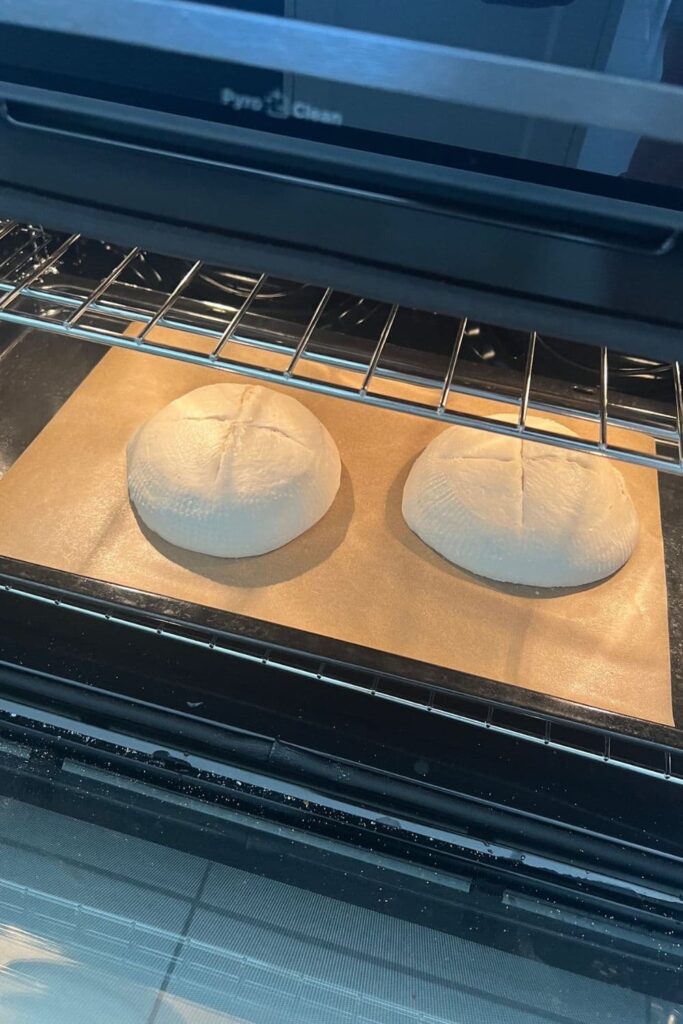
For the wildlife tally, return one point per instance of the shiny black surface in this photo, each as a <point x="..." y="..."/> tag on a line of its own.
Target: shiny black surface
<point x="38" y="372"/>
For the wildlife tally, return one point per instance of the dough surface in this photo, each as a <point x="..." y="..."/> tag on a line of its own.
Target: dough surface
<point x="519" y="511"/>
<point x="232" y="470"/>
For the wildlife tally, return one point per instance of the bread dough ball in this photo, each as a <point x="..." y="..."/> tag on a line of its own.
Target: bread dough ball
<point x="232" y="470"/>
<point x="519" y="511"/>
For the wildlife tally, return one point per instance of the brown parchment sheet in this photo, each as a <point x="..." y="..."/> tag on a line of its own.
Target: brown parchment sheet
<point x="359" y="575"/>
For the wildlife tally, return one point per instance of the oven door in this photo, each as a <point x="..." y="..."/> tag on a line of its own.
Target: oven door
<point x="145" y="885"/>
<point x="518" y="163"/>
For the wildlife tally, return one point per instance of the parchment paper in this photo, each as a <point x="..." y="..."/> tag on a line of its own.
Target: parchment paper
<point x="359" y="575"/>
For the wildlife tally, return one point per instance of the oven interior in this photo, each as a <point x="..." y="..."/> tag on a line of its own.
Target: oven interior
<point x="67" y="302"/>
<point x="310" y="717"/>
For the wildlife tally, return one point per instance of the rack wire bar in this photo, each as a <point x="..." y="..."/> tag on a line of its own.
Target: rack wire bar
<point x="27" y="244"/>
<point x="60" y="299"/>
<point x="102" y="287"/>
<point x="453" y="362"/>
<point x="379" y="348"/>
<point x="175" y="294"/>
<point x="308" y="332"/>
<point x="7" y="227"/>
<point x="526" y="388"/>
<point x="238" y="317"/>
<point x="678" y="389"/>
<point x="38" y="271"/>
<point x="604" y="396"/>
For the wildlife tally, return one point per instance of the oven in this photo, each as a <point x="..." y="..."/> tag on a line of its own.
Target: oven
<point x="345" y="780"/>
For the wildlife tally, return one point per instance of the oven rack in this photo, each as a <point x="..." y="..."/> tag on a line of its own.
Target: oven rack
<point x="45" y="283"/>
<point x="538" y="726"/>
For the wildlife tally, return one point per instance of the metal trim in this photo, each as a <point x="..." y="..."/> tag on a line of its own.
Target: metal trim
<point x="432" y="71"/>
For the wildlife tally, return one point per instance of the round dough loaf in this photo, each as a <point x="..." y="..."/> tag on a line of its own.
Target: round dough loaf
<point x="519" y="511"/>
<point x="232" y="470"/>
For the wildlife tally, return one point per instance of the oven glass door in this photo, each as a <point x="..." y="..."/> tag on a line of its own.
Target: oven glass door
<point x="634" y="41"/>
<point x="125" y="901"/>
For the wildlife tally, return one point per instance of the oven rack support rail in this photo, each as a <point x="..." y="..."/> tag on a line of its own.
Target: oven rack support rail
<point x="34" y="293"/>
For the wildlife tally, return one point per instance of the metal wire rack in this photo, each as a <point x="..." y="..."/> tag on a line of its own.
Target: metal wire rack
<point x="280" y="332"/>
<point x="536" y="727"/>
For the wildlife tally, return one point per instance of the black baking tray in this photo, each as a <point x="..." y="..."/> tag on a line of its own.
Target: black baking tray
<point x="41" y="370"/>
<point x="582" y="791"/>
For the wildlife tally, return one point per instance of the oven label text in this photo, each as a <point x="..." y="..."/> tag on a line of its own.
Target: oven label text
<point x="276" y="104"/>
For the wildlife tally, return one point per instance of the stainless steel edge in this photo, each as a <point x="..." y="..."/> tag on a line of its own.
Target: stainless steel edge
<point x="487" y="81"/>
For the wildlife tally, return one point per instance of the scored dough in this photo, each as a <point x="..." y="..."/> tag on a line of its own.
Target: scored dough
<point x="232" y="470"/>
<point x="519" y="511"/>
